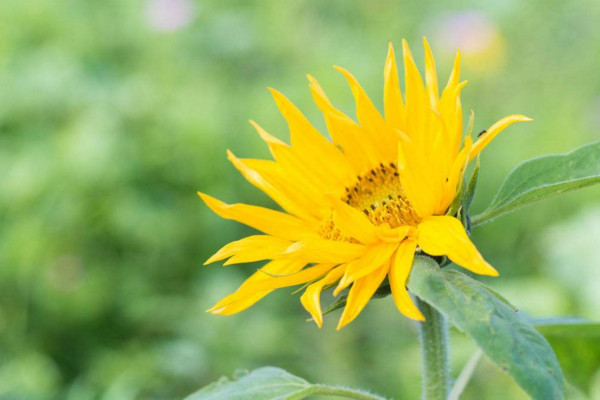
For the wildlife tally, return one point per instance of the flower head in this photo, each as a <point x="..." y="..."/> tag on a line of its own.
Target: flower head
<point x="356" y="208"/>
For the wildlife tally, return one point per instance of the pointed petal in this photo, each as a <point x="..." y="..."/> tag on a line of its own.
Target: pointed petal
<point x="361" y="151"/>
<point x="319" y="154"/>
<point x="354" y="223"/>
<point x="445" y="235"/>
<point x="417" y="106"/>
<point x="271" y="222"/>
<point x="251" y="248"/>
<point x="231" y="305"/>
<point x="392" y="97"/>
<point x="306" y="201"/>
<point x="271" y="282"/>
<point x="266" y="136"/>
<point x="494" y="130"/>
<point x="398" y="276"/>
<point x="295" y="167"/>
<point x="430" y="75"/>
<point x="375" y="257"/>
<point x="417" y="181"/>
<point x="269" y="188"/>
<point x="311" y="298"/>
<point x="454" y="182"/>
<point x="324" y="251"/>
<point x="455" y="74"/>
<point x="361" y="292"/>
<point x="371" y="120"/>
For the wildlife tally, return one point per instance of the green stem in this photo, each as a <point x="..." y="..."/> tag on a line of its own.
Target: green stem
<point x="465" y="375"/>
<point x="433" y="336"/>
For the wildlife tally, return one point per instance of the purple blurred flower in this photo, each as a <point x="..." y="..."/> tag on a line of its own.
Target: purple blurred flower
<point x="169" y="15"/>
<point x="472" y="31"/>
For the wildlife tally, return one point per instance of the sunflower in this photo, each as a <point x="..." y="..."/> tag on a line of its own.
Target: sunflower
<point x="358" y="207"/>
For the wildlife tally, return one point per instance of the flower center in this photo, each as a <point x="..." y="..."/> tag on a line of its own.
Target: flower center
<point x="379" y="195"/>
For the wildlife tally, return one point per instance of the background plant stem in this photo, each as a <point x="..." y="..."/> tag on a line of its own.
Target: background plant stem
<point x="433" y="337"/>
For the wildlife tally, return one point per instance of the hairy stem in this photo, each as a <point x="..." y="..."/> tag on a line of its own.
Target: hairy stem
<point x="433" y="336"/>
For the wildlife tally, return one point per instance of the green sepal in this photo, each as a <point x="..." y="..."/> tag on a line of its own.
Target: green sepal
<point x="383" y="291"/>
<point x="469" y="193"/>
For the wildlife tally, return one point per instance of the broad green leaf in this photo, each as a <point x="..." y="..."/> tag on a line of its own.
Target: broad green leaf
<point x="504" y="336"/>
<point x="498" y="296"/>
<point x="270" y="383"/>
<point x="543" y="177"/>
<point x="577" y="346"/>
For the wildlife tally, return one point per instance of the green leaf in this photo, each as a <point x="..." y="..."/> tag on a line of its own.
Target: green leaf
<point x="498" y="295"/>
<point x="543" y="177"/>
<point x="270" y="383"/>
<point x="577" y="346"/>
<point x="504" y="336"/>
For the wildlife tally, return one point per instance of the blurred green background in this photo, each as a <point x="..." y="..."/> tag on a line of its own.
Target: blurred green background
<point x="113" y="113"/>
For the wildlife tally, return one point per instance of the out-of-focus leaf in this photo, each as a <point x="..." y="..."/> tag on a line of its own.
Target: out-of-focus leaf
<point x="270" y="383"/>
<point x="504" y="336"/>
<point x="543" y="177"/>
<point x="577" y="346"/>
<point x="261" y="384"/>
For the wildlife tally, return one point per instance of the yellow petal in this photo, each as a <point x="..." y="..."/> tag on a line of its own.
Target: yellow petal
<point x="375" y="257"/>
<point x="272" y="282"/>
<point x="422" y="191"/>
<point x="392" y="97"/>
<point x="493" y="131"/>
<point x="454" y="182"/>
<point x="306" y="201"/>
<point x="294" y="166"/>
<point x="311" y="298"/>
<point x="430" y="75"/>
<point x="394" y="235"/>
<point x="417" y="106"/>
<point x="266" y="136"/>
<point x="227" y="306"/>
<point x="450" y="106"/>
<point x="398" y="276"/>
<point x="371" y="121"/>
<point x="455" y="74"/>
<point x="354" y="223"/>
<point x="269" y="187"/>
<point x="271" y="222"/>
<point x="319" y="154"/>
<point x="324" y="251"/>
<point x="231" y="308"/>
<point x="251" y="248"/>
<point x="361" y="292"/>
<point x="361" y="151"/>
<point x="445" y="235"/>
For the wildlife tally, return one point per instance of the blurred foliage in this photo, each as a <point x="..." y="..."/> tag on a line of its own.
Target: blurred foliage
<point x="113" y="113"/>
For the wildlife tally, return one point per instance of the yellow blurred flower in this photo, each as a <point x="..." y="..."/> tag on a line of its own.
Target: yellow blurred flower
<point x="357" y="208"/>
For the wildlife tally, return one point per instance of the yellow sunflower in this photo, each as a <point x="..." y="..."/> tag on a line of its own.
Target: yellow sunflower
<point x="356" y="208"/>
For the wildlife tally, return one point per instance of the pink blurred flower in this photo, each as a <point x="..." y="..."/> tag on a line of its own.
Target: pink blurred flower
<point x="477" y="36"/>
<point x="169" y="15"/>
